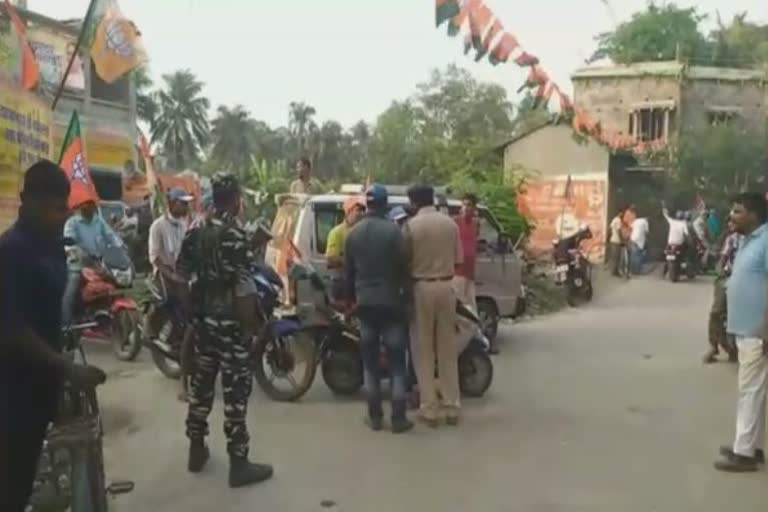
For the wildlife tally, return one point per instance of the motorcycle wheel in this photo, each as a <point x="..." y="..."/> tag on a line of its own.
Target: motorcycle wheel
<point x="166" y="365"/>
<point x="674" y="273"/>
<point x="280" y="357"/>
<point x="342" y="370"/>
<point x="126" y="335"/>
<point x="475" y="372"/>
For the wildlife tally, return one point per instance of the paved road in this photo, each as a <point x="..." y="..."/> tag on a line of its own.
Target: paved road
<point x="602" y="409"/>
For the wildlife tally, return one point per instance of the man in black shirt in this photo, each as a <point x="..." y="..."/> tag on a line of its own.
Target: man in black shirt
<point x="32" y="277"/>
<point x="376" y="277"/>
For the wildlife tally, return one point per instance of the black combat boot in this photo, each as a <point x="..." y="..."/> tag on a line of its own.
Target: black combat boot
<point x="242" y="472"/>
<point x="198" y="455"/>
<point x="400" y="422"/>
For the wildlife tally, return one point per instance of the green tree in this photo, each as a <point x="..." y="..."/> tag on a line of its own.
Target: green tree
<point x="740" y="44"/>
<point x="181" y="126"/>
<point x="300" y="123"/>
<point x="719" y="162"/>
<point x="234" y="139"/>
<point x="661" y="32"/>
<point x="146" y="99"/>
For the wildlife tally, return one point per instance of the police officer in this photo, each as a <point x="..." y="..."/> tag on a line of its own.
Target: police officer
<point x="432" y="241"/>
<point x="216" y="255"/>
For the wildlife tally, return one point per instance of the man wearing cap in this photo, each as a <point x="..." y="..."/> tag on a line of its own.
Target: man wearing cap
<point x="334" y="248"/>
<point x="376" y="276"/>
<point x="435" y="251"/>
<point x="216" y="256"/>
<point x="165" y="238"/>
<point x="91" y="235"/>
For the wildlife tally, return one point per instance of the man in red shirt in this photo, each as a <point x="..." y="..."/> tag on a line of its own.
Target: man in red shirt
<point x="469" y="232"/>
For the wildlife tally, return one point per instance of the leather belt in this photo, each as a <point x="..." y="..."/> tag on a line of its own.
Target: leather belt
<point x="433" y="279"/>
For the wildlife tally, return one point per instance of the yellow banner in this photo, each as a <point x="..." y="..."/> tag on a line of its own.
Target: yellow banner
<point x="109" y="152"/>
<point x="25" y="138"/>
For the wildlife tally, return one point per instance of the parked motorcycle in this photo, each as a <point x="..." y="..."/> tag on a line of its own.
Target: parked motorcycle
<point x="103" y="300"/>
<point x="70" y="473"/>
<point x="166" y="348"/>
<point x="677" y="262"/>
<point x="342" y="367"/>
<point x="284" y="352"/>
<point x="572" y="268"/>
<point x="334" y="345"/>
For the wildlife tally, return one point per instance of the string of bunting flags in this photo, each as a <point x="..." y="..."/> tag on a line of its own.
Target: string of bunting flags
<point x="485" y="34"/>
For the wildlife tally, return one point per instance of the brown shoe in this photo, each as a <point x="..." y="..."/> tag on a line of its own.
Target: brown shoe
<point x="452" y="421"/>
<point x="710" y="357"/>
<point x="428" y="421"/>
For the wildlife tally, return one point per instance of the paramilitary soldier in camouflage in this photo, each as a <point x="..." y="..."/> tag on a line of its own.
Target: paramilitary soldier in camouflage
<point x="216" y="256"/>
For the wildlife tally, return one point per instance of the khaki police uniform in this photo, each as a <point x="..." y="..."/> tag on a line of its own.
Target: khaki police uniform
<point x="434" y="248"/>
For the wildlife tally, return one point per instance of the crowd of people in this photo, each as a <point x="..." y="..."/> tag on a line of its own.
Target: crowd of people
<point x="400" y="271"/>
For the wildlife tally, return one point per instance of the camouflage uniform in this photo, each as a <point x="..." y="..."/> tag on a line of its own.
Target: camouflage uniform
<point x="216" y="254"/>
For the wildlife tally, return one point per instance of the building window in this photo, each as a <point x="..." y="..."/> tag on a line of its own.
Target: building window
<point x="721" y="117"/>
<point x="650" y="124"/>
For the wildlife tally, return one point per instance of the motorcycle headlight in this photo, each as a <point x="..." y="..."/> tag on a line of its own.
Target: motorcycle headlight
<point x="122" y="277"/>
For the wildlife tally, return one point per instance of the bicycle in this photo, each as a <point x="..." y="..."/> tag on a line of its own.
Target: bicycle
<point x="71" y="468"/>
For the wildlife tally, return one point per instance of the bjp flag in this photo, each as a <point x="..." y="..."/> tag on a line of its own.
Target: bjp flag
<point x="75" y="165"/>
<point x="29" y="70"/>
<point x="114" y="40"/>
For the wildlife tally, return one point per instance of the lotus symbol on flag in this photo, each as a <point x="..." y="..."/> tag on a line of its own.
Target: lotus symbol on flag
<point x="79" y="172"/>
<point x="118" y="38"/>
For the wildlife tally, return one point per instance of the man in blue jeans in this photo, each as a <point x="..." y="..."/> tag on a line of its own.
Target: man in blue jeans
<point x="376" y="277"/>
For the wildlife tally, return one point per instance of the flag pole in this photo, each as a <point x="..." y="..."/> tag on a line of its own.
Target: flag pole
<point x="80" y="37"/>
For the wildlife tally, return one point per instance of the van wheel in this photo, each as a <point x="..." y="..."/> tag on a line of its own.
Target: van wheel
<point x="489" y="318"/>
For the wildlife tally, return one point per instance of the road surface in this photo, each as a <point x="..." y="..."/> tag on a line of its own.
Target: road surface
<point x="606" y="408"/>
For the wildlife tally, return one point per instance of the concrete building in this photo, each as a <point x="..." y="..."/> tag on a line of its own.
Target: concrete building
<point x="107" y="111"/>
<point x="571" y="182"/>
<point x="660" y="100"/>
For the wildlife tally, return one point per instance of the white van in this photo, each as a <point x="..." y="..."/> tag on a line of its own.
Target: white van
<point x="306" y="221"/>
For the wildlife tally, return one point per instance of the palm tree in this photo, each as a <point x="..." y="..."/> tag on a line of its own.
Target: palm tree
<point x="146" y="100"/>
<point x="181" y="125"/>
<point x="234" y="138"/>
<point x="300" y="123"/>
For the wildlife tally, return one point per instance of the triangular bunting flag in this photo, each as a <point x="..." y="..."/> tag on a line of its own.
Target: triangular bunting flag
<point x="507" y="44"/>
<point x="445" y="10"/>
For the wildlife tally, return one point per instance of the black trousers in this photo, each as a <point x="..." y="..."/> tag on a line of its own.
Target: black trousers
<point x="19" y="454"/>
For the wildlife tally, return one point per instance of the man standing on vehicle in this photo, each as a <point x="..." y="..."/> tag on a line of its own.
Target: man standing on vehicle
<point x="90" y="234"/>
<point x="718" y="337"/>
<point x="376" y="276"/>
<point x="33" y="273"/>
<point x="216" y="256"/>
<point x="334" y="247"/>
<point x="435" y="252"/>
<point x="748" y="322"/>
<point x="165" y="238"/>
<point x="303" y="184"/>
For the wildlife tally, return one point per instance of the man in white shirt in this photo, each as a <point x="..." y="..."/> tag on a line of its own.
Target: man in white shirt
<point x="678" y="229"/>
<point x="638" y="239"/>
<point x="166" y="236"/>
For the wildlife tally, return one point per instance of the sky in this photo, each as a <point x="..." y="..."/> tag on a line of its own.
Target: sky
<point x="351" y="58"/>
